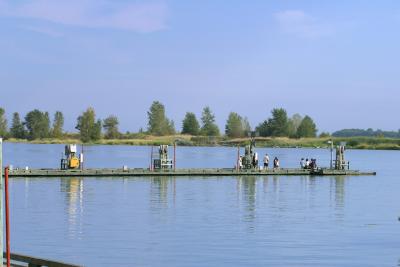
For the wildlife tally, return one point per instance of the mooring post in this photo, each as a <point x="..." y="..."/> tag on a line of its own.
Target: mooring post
<point x="151" y="159"/>
<point x="331" y="143"/>
<point x="174" y="156"/>
<point x="1" y="200"/>
<point x="7" y="205"/>
<point x="238" y="158"/>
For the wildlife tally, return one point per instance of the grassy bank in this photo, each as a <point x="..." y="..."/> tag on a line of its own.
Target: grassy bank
<point x="187" y="140"/>
<point x="351" y="142"/>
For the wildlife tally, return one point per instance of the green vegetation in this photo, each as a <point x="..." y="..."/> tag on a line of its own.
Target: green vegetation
<point x="190" y="124"/>
<point x="159" y="124"/>
<point x="110" y="125"/>
<point x="89" y="128"/>
<point x="367" y="133"/>
<point x="17" y="129"/>
<point x="209" y="128"/>
<point x="37" y="124"/>
<point x="276" y="126"/>
<point x="3" y="123"/>
<point x="293" y="124"/>
<point x="374" y="143"/>
<point x="307" y="128"/>
<point x="277" y="131"/>
<point x="58" y="124"/>
<point x="236" y="126"/>
<point x="324" y="135"/>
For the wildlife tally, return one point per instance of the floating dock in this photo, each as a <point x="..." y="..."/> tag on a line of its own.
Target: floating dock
<point x="139" y="172"/>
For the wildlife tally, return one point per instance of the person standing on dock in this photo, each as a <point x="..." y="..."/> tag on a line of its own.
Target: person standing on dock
<point x="255" y="160"/>
<point x="302" y="163"/>
<point x="266" y="161"/>
<point x="276" y="163"/>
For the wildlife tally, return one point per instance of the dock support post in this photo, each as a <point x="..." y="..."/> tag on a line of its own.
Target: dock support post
<point x="331" y="143"/>
<point x="7" y="205"/>
<point x="238" y="158"/>
<point x="151" y="159"/>
<point x="174" y="156"/>
<point x="1" y="200"/>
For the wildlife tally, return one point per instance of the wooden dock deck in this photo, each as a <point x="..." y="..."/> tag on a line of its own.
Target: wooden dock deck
<point x="138" y="172"/>
<point x="19" y="260"/>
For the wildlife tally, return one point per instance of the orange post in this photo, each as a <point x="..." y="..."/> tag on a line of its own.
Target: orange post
<point x="7" y="217"/>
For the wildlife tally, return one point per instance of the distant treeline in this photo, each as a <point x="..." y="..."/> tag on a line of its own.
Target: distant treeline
<point x="38" y="125"/>
<point x="366" y="133"/>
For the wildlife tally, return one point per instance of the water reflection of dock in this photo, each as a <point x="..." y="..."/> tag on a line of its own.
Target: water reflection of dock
<point x="73" y="189"/>
<point x="252" y="191"/>
<point x="247" y="196"/>
<point x="160" y="187"/>
<point x="338" y="190"/>
<point x="276" y="192"/>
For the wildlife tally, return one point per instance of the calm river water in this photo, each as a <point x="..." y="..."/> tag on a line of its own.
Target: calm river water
<point x="216" y="221"/>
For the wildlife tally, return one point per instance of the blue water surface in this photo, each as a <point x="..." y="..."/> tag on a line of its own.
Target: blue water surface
<point x="213" y="221"/>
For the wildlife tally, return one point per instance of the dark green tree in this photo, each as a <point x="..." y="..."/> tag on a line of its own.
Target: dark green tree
<point x="89" y="128"/>
<point x="293" y="125"/>
<point x="38" y="124"/>
<point x="307" y="128"/>
<point x="209" y="128"/>
<point x="190" y="124"/>
<point x="246" y="126"/>
<point x="276" y="126"/>
<point x="110" y="126"/>
<point x="236" y="126"/>
<point x="263" y="129"/>
<point x="58" y="124"/>
<point x="324" y="135"/>
<point x="17" y="129"/>
<point x="3" y="123"/>
<point x="158" y="123"/>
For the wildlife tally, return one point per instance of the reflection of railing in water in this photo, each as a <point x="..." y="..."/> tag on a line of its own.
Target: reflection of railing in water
<point x="19" y="260"/>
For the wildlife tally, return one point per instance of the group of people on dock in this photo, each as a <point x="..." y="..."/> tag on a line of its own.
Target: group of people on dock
<point x="308" y="164"/>
<point x="275" y="162"/>
<point x="266" y="161"/>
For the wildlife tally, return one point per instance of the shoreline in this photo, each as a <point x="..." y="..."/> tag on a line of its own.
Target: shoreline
<point x="362" y="143"/>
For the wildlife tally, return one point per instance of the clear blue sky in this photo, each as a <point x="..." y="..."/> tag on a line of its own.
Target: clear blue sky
<point x="337" y="61"/>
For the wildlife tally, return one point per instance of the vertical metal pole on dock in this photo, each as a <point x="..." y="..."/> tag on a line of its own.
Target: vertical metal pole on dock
<point x="331" y="143"/>
<point x="151" y="159"/>
<point x="1" y="200"/>
<point x="7" y="216"/>
<point x="331" y="154"/>
<point x="238" y="158"/>
<point x="174" y="156"/>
